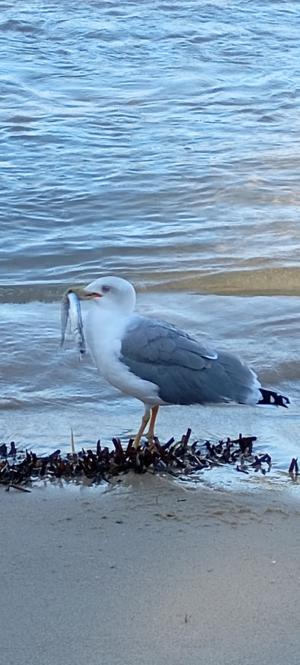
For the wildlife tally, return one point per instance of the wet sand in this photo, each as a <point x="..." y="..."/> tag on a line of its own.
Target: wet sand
<point x="149" y="572"/>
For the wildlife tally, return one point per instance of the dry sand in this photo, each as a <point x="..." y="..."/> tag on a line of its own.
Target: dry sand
<point x="149" y="573"/>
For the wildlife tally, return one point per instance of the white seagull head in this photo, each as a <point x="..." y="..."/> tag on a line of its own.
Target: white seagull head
<point x="110" y="293"/>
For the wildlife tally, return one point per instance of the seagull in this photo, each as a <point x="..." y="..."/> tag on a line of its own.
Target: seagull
<point x="158" y="363"/>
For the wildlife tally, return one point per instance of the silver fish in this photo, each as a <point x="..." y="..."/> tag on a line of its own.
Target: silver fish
<point x="71" y="311"/>
<point x="64" y="317"/>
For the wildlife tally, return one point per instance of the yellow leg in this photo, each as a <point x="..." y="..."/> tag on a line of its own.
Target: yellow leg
<point x="145" y="420"/>
<point x="150" y="433"/>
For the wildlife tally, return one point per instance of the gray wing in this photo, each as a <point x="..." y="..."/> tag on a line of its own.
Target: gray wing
<point x="185" y="371"/>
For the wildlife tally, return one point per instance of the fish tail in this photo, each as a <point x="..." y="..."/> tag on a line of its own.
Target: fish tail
<point x="271" y="397"/>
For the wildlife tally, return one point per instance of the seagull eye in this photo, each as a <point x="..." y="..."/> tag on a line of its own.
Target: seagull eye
<point x="105" y="288"/>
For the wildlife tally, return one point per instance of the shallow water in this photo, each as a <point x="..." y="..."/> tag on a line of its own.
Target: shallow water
<point x="48" y="390"/>
<point x="158" y="141"/>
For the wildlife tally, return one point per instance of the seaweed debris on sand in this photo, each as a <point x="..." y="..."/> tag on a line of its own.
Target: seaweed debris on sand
<point x="178" y="458"/>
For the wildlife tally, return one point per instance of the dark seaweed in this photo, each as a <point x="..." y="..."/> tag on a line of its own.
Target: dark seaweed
<point x="177" y="458"/>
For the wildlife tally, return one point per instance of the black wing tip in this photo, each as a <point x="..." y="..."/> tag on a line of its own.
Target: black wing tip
<point x="271" y="397"/>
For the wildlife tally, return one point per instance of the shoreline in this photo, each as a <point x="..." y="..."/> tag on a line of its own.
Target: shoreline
<point x="150" y="572"/>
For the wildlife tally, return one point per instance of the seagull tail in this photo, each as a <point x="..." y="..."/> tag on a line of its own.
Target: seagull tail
<point x="270" y="397"/>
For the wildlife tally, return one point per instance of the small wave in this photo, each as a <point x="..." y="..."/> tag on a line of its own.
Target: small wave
<point x="270" y="282"/>
<point x="12" y="25"/>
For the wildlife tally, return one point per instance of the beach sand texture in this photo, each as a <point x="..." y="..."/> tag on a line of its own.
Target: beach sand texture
<point x="149" y="572"/>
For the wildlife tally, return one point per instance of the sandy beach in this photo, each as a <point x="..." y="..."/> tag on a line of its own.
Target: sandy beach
<point x="149" y="572"/>
<point x="157" y="142"/>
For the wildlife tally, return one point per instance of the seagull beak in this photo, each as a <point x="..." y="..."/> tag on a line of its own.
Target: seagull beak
<point x="83" y="294"/>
